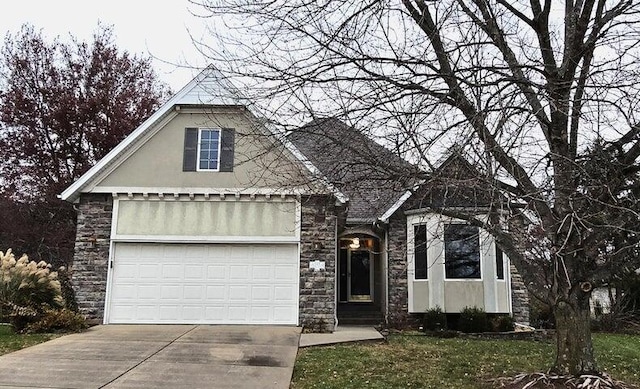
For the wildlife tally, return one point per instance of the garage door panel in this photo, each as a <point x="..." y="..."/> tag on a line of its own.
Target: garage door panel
<point x="216" y="272"/>
<point x="194" y="293"/>
<point x="147" y="312"/>
<point x="284" y="313"/>
<point x="284" y="294"/>
<point x="147" y="292"/>
<point x="167" y="312"/>
<point x="207" y="283"/>
<point x="125" y="292"/>
<point x="261" y="293"/>
<point x="149" y="271"/>
<point x="237" y="314"/>
<point x="285" y="272"/>
<point x="194" y="272"/>
<point x="171" y="292"/>
<point x="238" y="293"/>
<point x="192" y="312"/>
<point x="239" y="273"/>
<point x="261" y="272"/>
<point x="216" y="293"/>
<point x="172" y="272"/>
<point x="129" y="272"/>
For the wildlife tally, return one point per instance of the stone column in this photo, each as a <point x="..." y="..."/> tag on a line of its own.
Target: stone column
<point x="91" y="256"/>
<point x="318" y="243"/>
<point x="397" y="261"/>
<point x="519" y="298"/>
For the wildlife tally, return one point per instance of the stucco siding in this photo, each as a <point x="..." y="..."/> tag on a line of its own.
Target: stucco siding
<point x="502" y="297"/>
<point x="207" y="218"/>
<point x="421" y="296"/>
<point x="462" y="294"/>
<point x="158" y="162"/>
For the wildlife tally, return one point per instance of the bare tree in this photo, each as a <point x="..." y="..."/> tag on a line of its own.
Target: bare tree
<point x="535" y="92"/>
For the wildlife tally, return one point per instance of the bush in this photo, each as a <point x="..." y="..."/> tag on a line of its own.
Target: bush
<point x="473" y="319"/>
<point x="57" y="320"/>
<point x="434" y="320"/>
<point x="502" y="323"/>
<point x="541" y="315"/>
<point x="27" y="289"/>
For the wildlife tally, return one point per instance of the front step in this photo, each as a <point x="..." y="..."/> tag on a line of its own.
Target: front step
<point x="361" y="318"/>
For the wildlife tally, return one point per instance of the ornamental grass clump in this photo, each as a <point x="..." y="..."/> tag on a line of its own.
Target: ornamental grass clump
<point x="27" y="290"/>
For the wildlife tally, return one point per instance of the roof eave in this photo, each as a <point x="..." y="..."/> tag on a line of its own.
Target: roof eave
<point x="403" y="199"/>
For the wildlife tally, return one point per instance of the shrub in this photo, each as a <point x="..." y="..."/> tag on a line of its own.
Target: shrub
<point x="541" y="314"/>
<point x="27" y="288"/>
<point x="473" y="319"/>
<point x="434" y="320"/>
<point x="502" y="323"/>
<point x="57" y="320"/>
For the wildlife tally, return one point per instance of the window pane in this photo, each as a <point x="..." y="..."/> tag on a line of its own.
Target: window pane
<point x="209" y="141"/>
<point x="420" y="251"/>
<point x="462" y="251"/>
<point x="499" y="263"/>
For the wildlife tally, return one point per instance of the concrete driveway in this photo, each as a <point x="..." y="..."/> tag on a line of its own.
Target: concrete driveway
<point x="157" y="356"/>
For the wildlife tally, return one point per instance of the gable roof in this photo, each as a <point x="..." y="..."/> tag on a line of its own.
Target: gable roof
<point x="208" y="88"/>
<point x="375" y="179"/>
<point x="457" y="183"/>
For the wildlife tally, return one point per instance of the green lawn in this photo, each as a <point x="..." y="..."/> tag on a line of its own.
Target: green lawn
<point x="414" y="361"/>
<point x="10" y="341"/>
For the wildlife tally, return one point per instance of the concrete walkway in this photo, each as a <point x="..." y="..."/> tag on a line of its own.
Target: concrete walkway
<point x="342" y="334"/>
<point x="157" y="356"/>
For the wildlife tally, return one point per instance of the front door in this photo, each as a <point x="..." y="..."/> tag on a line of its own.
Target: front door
<point x="360" y="275"/>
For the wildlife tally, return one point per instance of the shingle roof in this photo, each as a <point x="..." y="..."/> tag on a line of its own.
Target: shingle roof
<point x="372" y="176"/>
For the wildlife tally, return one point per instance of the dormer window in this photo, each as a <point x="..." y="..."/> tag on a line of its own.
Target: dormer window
<point x="208" y="149"/>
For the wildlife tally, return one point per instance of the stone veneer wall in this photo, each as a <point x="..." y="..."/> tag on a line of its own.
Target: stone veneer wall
<point x="519" y="297"/>
<point x="398" y="309"/>
<point x="317" y="288"/>
<point x="91" y="256"/>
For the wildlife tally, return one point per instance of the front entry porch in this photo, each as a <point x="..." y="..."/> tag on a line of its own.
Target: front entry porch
<point x="360" y="281"/>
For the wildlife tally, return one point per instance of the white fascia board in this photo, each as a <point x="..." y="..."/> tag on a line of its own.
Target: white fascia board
<point x="385" y="216"/>
<point x="72" y="192"/>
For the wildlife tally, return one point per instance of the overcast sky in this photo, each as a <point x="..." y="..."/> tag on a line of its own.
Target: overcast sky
<point x="157" y="28"/>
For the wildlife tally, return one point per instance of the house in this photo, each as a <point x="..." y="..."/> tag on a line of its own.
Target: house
<point x="205" y="215"/>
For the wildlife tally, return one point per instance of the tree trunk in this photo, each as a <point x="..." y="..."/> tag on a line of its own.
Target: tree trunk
<point x="574" y="346"/>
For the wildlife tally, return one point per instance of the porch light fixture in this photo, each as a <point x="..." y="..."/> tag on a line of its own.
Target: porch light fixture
<point x="355" y="243"/>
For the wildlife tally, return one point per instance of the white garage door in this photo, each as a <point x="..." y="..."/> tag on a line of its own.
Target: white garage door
<point x="204" y="284"/>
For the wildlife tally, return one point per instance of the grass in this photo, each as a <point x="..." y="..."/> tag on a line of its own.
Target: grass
<point x="414" y="361"/>
<point x="10" y="341"/>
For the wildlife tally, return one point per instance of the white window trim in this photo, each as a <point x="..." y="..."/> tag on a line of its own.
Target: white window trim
<point x="481" y="244"/>
<point x="437" y="278"/>
<point x="411" y="250"/>
<point x="198" y="169"/>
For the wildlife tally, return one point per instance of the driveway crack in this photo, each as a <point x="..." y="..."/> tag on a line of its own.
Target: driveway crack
<point x="149" y="357"/>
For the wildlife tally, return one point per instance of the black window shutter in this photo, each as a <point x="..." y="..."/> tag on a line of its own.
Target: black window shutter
<point x="190" y="156"/>
<point x="227" y="140"/>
